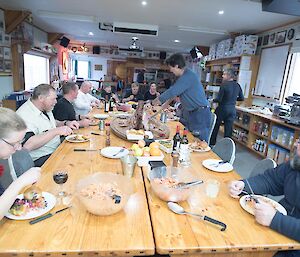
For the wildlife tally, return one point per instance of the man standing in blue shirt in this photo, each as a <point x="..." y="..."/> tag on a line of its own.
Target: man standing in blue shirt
<point x="192" y="97"/>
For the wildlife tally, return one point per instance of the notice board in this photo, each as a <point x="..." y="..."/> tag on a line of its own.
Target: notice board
<point x="271" y="71"/>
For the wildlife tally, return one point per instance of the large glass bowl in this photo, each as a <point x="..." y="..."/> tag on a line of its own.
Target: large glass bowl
<point x="93" y="194"/>
<point x="168" y="193"/>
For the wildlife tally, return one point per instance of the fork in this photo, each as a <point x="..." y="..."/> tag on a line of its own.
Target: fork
<point x="121" y="151"/>
<point x="218" y="164"/>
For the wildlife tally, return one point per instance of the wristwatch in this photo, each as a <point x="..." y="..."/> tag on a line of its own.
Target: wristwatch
<point x="65" y="122"/>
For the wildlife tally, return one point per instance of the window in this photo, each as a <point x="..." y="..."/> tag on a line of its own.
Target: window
<point x="293" y="82"/>
<point x="36" y="71"/>
<point x="83" y="69"/>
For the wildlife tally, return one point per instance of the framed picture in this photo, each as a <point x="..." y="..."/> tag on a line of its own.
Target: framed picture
<point x="64" y="63"/>
<point x="280" y="37"/>
<point x="1" y="52"/>
<point x="98" y="67"/>
<point x="1" y="65"/>
<point x="272" y="38"/>
<point x="266" y="40"/>
<point x="6" y="53"/>
<point x="290" y="34"/>
<point x="7" y="66"/>
<point x="7" y="40"/>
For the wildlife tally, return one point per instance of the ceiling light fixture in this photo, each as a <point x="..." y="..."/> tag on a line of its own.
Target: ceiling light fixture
<point x="221" y="12"/>
<point x="176" y="41"/>
<point x="66" y="16"/>
<point x="203" y="30"/>
<point x="144" y="3"/>
<point x="91" y="33"/>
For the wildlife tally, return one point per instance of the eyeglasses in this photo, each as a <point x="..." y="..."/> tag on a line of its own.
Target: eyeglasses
<point x="15" y="145"/>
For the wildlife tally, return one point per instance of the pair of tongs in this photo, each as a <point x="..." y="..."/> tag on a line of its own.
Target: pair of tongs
<point x="183" y="185"/>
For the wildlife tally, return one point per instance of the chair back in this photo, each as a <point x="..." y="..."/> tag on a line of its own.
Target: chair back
<point x="262" y="166"/>
<point x="225" y="149"/>
<point x="22" y="161"/>
<point x="212" y="125"/>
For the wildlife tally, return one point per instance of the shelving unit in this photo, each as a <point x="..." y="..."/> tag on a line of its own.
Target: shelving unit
<point x="254" y="126"/>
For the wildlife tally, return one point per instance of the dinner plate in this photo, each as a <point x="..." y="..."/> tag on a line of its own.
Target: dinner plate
<point x="108" y="152"/>
<point x="120" y="114"/>
<point x="72" y="139"/>
<point x="250" y="210"/>
<point x="207" y="149"/>
<point x="213" y="164"/>
<point x="49" y="198"/>
<point x="101" y="116"/>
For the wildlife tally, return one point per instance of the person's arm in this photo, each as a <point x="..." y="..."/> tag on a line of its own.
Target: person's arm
<point x="127" y="99"/>
<point x="93" y="99"/>
<point x="10" y="194"/>
<point x="220" y="95"/>
<point x="181" y="85"/>
<point x="72" y="124"/>
<point x="80" y="102"/>
<point x="37" y="141"/>
<point x="240" y="95"/>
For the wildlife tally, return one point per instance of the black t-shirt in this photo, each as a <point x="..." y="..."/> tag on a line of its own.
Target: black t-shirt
<point x="148" y="96"/>
<point x="64" y="110"/>
<point x="136" y="98"/>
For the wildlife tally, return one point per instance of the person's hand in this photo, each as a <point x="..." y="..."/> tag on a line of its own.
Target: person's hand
<point x="157" y="94"/>
<point x="264" y="213"/>
<point x="93" y="104"/>
<point x="131" y="97"/>
<point x="73" y="124"/>
<point x="235" y="187"/>
<point x="85" y="123"/>
<point x="63" y="131"/>
<point x="29" y="177"/>
<point x="156" y="101"/>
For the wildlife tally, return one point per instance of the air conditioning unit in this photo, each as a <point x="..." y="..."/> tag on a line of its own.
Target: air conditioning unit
<point x="133" y="28"/>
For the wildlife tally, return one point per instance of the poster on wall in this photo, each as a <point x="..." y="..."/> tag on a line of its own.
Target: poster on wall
<point x="280" y="37"/>
<point x="98" y="67"/>
<point x="64" y="63"/>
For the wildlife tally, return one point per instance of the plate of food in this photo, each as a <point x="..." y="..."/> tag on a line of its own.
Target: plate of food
<point x="217" y="165"/>
<point x="33" y="203"/>
<point x="77" y="138"/>
<point x="247" y="203"/>
<point x="101" y="116"/>
<point x="166" y="145"/>
<point x="199" y="146"/>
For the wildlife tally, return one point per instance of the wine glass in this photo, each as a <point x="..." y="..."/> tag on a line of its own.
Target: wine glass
<point x="60" y="177"/>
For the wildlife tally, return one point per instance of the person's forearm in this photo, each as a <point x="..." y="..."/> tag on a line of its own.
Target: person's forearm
<point x="9" y="196"/>
<point x="38" y="141"/>
<point x="81" y="104"/>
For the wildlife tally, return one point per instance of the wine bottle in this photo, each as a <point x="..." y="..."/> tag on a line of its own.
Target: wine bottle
<point x="111" y="102"/>
<point x="184" y="139"/>
<point x="176" y="139"/>
<point x="106" y="105"/>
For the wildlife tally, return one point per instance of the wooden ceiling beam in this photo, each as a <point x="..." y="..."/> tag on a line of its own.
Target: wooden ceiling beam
<point x="13" y="18"/>
<point x="53" y="37"/>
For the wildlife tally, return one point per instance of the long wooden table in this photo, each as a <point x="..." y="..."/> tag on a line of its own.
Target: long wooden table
<point x="132" y="232"/>
<point x="75" y="231"/>
<point x="180" y="235"/>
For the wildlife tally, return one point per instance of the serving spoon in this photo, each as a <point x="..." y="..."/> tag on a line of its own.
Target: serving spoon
<point x="174" y="207"/>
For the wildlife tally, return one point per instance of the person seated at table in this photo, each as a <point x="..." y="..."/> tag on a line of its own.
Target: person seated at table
<point x="12" y="131"/>
<point x="133" y="95"/>
<point x="43" y="131"/>
<point x="152" y="93"/>
<point x="107" y="93"/>
<point x="64" y="110"/>
<point x="282" y="180"/>
<point x="84" y="102"/>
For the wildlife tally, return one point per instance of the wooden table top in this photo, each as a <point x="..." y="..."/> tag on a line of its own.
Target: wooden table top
<point x="181" y="234"/>
<point x="76" y="231"/>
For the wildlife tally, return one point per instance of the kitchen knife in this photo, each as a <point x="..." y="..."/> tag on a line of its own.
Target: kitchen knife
<point x="49" y="215"/>
<point x="84" y="150"/>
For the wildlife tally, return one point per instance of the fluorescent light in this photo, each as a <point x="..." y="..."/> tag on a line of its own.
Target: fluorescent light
<point x="203" y="30"/>
<point x="176" y="41"/>
<point x="66" y="16"/>
<point x="221" y="12"/>
<point x="144" y="3"/>
<point x="91" y="33"/>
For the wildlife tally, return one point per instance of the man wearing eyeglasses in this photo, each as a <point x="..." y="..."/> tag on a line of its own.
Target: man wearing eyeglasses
<point x="282" y="180"/>
<point x="43" y="131"/>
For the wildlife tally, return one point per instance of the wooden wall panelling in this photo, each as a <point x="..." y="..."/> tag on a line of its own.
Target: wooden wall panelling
<point x="13" y="18"/>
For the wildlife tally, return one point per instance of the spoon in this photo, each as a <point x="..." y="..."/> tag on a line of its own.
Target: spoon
<point x="174" y="207"/>
<point x="182" y="185"/>
<point x="120" y="151"/>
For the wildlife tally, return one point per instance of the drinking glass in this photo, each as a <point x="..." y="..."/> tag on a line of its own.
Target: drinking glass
<point x="212" y="188"/>
<point x="60" y="177"/>
<point x="128" y="164"/>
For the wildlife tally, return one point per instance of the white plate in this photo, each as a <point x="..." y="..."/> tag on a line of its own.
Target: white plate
<point x="207" y="149"/>
<point x="120" y="114"/>
<point x="101" y="116"/>
<point x="250" y="210"/>
<point x="108" y="152"/>
<point x="210" y="164"/>
<point x="51" y="201"/>
<point x="71" y="139"/>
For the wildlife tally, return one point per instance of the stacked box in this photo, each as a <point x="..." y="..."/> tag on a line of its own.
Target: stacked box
<point x="220" y="50"/>
<point x="228" y="43"/>
<point x="244" y="45"/>
<point x="212" y="52"/>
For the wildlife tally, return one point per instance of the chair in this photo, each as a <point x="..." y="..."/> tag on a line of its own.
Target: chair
<point x="225" y="149"/>
<point x="262" y="166"/>
<point x="212" y="125"/>
<point x="22" y="161"/>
